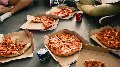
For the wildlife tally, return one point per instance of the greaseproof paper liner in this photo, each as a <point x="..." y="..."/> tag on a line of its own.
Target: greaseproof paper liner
<point x="64" y="61"/>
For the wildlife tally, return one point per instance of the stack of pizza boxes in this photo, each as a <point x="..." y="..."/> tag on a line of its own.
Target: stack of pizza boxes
<point x="24" y="37"/>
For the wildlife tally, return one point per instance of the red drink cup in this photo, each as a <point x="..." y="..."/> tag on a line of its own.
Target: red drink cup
<point x="79" y="16"/>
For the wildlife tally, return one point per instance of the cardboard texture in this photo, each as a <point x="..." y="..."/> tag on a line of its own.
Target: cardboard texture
<point x="89" y="52"/>
<point x="110" y="1"/>
<point x="64" y="61"/>
<point x="93" y="36"/>
<point x="57" y="8"/>
<point x="21" y="36"/>
<point x="38" y="26"/>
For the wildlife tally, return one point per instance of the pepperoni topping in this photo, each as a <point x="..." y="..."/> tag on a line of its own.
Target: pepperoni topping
<point x="93" y="63"/>
<point x="64" y="44"/>
<point x="110" y="38"/>
<point x="10" y="47"/>
<point x="64" y="12"/>
<point x="47" y="21"/>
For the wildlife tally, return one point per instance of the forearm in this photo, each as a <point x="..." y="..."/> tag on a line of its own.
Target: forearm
<point x="20" y="5"/>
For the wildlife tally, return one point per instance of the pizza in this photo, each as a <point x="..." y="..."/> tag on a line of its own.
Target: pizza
<point x="11" y="48"/>
<point x="64" y="44"/>
<point x="47" y="21"/>
<point x="62" y="12"/>
<point x="94" y="63"/>
<point x="109" y="37"/>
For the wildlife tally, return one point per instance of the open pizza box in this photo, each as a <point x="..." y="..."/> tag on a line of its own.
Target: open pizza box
<point x="58" y="8"/>
<point x="38" y="26"/>
<point x="22" y="36"/>
<point x="101" y="54"/>
<point x="64" y="61"/>
<point x="93" y="36"/>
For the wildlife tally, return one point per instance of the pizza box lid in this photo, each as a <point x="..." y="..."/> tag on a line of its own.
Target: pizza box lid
<point x="38" y="26"/>
<point x="93" y="36"/>
<point x="89" y="52"/>
<point x="57" y="8"/>
<point x="24" y="36"/>
<point x="64" y="61"/>
<point x="110" y="1"/>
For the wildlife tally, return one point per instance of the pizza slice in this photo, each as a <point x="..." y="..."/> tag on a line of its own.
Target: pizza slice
<point x="48" y="22"/>
<point x="63" y="13"/>
<point x="94" y="63"/>
<point x="11" y="48"/>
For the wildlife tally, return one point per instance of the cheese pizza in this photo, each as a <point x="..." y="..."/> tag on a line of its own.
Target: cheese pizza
<point x="64" y="44"/>
<point x="11" y="48"/>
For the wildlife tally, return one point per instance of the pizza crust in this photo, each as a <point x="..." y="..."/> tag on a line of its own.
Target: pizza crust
<point x="1" y="37"/>
<point x="27" y="46"/>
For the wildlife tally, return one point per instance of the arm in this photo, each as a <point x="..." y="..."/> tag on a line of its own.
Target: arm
<point x="20" y="5"/>
<point x="99" y="10"/>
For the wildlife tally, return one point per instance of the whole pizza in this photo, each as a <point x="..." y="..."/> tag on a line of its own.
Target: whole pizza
<point x="94" y="63"/>
<point x="47" y="21"/>
<point x="11" y="48"/>
<point x="64" y="44"/>
<point x="109" y="37"/>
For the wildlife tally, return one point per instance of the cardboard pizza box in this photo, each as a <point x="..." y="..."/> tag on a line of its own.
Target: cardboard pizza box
<point x="38" y="26"/>
<point x="57" y="8"/>
<point x="64" y="61"/>
<point x="93" y="36"/>
<point x="89" y="52"/>
<point x="24" y="36"/>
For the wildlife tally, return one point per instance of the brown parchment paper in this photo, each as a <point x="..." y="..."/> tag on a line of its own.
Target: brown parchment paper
<point x="21" y="36"/>
<point x="57" y="8"/>
<point x="65" y="61"/>
<point x="38" y="26"/>
<point x="97" y="53"/>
